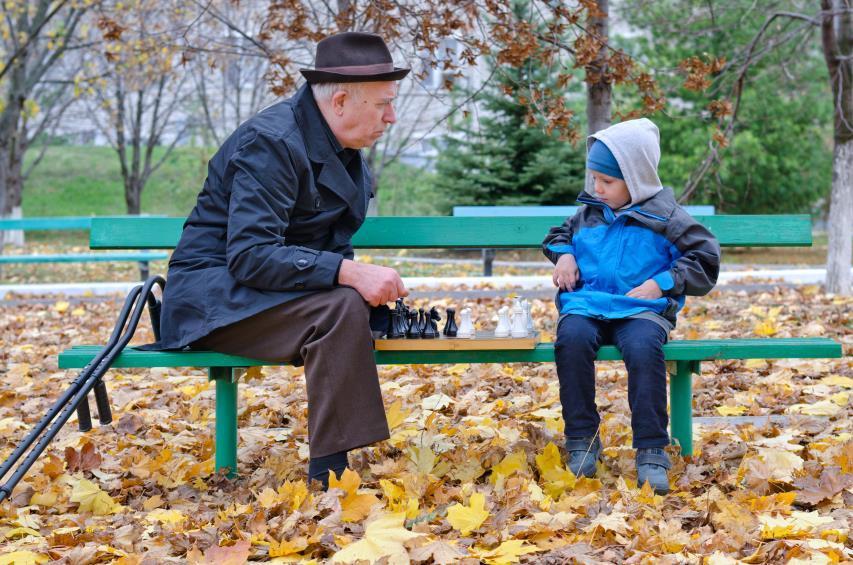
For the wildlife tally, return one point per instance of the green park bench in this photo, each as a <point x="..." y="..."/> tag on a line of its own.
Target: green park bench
<point x="69" y="223"/>
<point x="449" y="232"/>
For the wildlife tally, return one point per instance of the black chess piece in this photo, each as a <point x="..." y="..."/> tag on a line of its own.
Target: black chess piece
<point x="450" y="327"/>
<point x="431" y="327"/>
<point x="394" y="328"/>
<point x="422" y="321"/>
<point x="413" y="330"/>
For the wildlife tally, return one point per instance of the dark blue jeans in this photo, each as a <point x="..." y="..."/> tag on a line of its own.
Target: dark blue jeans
<point x="641" y="343"/>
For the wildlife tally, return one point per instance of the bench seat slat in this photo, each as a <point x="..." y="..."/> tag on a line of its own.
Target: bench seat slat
<point x="686" y="350"/>
<point x="82" y="257"/>
<point x="459" y="232"/>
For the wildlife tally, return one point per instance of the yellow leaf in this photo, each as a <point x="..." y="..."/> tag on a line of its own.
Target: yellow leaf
<point x="93" y="499"/>
<point x="287" y="547"/>
<point x="782" y="463"/>
<point x="354" y="506"/>
<point x="168" y="517"/>
<point x="672" y="537"/>
<point x="838" y="380"/>
<point x="268" y="498"/>
<point x="459" y="369"/>
<point x="614" y="522"/>
<point x="423" y="457"/>
<point x="396" y="415"/>
<point x="841" y="398"/>
<point x="506" y="553"/>
<point x="383" y="536"/>
<point x="557" y="478"/>
<point x="731" y="410"/>
<point x="293" y="493"/>
<point x="822" y="408"/>
<point x="61" y="306"/>
<point x="797" y="524"/>
<point x="152" y="503"/>
<point x="766" y="328"/>
<point x="22" y="558"/>
<point x="468" y="518"/>
<point x="510" y="464"/>
<point x="16" y="533"/>
<point x="755" y="364"/>
<point x="78" y="312"/>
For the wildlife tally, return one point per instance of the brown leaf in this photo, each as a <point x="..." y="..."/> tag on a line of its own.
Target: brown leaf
<point x="236" y="554"/>
<point x="830" y="483"/>
<point x="439" y="551"/>
<point x="85" y="460"/>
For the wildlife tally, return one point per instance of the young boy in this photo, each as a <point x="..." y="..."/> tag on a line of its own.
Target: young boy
<point x="624" y="263"/>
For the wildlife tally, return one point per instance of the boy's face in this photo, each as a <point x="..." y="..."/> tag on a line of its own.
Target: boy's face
<point x="611" y="190"/>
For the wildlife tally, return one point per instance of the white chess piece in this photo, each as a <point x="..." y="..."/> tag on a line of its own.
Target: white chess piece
<point x="503" y="328"/>
<point x="528" y="316"/>
<point x="466" y="327"/>
<point x="519" y="321"/>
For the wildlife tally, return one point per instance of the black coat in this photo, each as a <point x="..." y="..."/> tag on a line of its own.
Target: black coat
<point x="272" y="223"/>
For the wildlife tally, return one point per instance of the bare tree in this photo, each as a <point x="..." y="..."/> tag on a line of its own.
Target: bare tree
<point x="35" y="36"/>
<point x="138" y="91"/>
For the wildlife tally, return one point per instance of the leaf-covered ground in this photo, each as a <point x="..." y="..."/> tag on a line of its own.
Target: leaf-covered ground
<point x="473" y="472"/>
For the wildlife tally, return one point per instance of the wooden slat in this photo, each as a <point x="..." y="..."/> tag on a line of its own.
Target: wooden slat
<point x="83" y="257"/>
<point x="391" y="232"/>
<point x="685" y="350"/>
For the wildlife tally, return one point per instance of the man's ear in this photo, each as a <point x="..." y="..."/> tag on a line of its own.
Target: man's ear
<point x="338" y="99"/>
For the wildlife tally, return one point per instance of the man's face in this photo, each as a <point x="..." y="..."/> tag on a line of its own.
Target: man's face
<point x="364" y="115"/>
<point x="611" y="190"/>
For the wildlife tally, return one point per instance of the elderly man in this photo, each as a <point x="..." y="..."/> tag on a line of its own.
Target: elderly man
<point x="264" y="267"/>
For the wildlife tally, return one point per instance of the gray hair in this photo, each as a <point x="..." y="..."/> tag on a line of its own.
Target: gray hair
<point x="323" y="91"/>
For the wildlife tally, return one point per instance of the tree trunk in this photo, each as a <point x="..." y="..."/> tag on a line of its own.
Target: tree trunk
<point x="837" y="39"/>
<point x="840" y="228"/>
<point x="133" y="195"/>
<point x="598" y="87"/>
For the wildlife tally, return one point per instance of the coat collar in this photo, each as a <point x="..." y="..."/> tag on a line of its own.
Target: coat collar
<point x="325" y="151"/>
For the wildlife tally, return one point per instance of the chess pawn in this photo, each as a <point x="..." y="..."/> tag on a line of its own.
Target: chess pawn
<point x="413" y="330"/>
<point x="503" y="328"/>
<point x="450" y="329"/>
<point x="518" y="327"/>
<point x="422" y="321"/>
<point x="466" y="327"/>
<point x="431" y="327"/>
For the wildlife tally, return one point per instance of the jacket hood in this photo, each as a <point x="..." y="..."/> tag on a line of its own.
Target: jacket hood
<point x="636" y="146"/>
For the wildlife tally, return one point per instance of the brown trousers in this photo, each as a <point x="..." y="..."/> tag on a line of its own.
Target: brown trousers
<point x="330" y="332"/>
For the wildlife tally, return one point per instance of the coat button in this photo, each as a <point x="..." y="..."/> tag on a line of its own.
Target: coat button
<point x="317" y="202"/>
<point x="302" y="262"/>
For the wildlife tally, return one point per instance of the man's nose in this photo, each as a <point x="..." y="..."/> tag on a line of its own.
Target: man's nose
<point x="389" y="117"/>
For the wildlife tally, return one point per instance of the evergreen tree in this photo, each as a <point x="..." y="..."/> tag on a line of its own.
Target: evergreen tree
<point x="504" y="159"/>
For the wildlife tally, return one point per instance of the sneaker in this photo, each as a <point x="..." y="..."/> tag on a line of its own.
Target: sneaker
<point x="583" y="454"/>
<point x="652" y="466"/>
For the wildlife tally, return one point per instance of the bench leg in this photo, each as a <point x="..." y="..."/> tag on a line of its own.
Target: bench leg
<point x="681" y="404"/>
<point x="488" y="259"/>
<point x="226" y="418"/>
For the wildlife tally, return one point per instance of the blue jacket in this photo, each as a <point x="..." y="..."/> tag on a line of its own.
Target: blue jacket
<point x="655" y="239"/>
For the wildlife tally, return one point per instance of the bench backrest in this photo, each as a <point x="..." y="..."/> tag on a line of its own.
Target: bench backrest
<point x="516" y="211"/>
<point x="46" y="223"/>
<point x="397" y="232"/>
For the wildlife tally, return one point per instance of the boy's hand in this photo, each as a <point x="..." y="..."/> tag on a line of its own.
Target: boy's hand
<point x="566" y="273"/>
<point x="649" y="290"/>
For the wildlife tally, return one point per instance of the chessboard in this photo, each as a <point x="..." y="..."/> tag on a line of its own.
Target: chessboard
<point x="481" y="340"/>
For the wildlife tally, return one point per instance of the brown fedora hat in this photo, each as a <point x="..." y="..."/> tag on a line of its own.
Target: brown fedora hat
<point x="353" y="56"/>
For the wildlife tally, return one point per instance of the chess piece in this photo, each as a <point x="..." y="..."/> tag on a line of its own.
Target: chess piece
<point x="518" y="327"/>
<point x="450" y="329"/>
<point x="503" y="328"/>
<point x="466" y="327"/>
<point x="394" y="331"/>
<point x="413" y="330"/>
<point x="431" y="326"/>
<point x="422" y="322"/>
<point x="528" y="317"/>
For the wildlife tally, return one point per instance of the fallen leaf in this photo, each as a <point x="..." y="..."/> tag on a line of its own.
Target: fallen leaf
<point x="383" y="537"/>
<point x="467" y="518"/>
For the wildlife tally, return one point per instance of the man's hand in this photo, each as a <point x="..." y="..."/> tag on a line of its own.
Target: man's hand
<point x="566" y="273"/>
<point x="649" y="290"/>
<point x="376" y="284"/>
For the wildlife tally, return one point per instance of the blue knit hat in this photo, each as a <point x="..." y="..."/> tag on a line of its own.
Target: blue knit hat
<point x="602" y="160"/>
